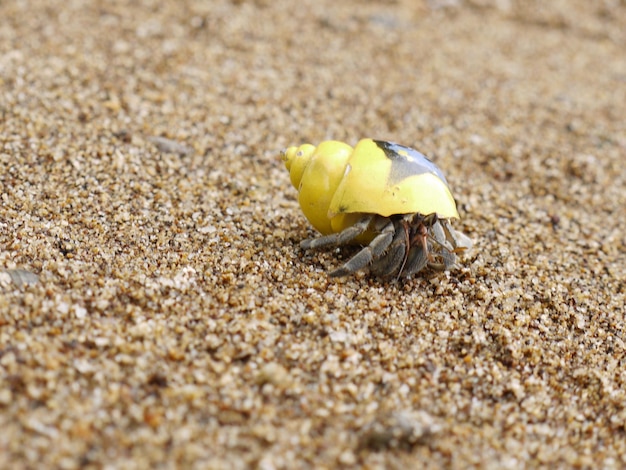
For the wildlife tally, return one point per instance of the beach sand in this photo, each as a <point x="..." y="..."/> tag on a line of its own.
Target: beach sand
<point x="175" y="323"/>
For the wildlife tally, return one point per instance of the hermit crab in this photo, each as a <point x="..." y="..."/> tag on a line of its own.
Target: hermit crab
<point x="389" y="198"/>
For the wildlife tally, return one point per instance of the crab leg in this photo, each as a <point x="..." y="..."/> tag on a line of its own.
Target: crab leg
<point x="341" y="238"/>
<point x="371" y="252"/>
<point x="394" y="259"/>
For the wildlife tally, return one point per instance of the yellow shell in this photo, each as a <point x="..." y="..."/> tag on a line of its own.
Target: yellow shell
<point x="338" y="184"/>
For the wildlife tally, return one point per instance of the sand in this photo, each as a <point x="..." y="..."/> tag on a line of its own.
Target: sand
<point x="165" y="317"/>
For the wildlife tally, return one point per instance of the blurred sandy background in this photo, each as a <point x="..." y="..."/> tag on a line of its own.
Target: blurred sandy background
<point x="175" y="322"/>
